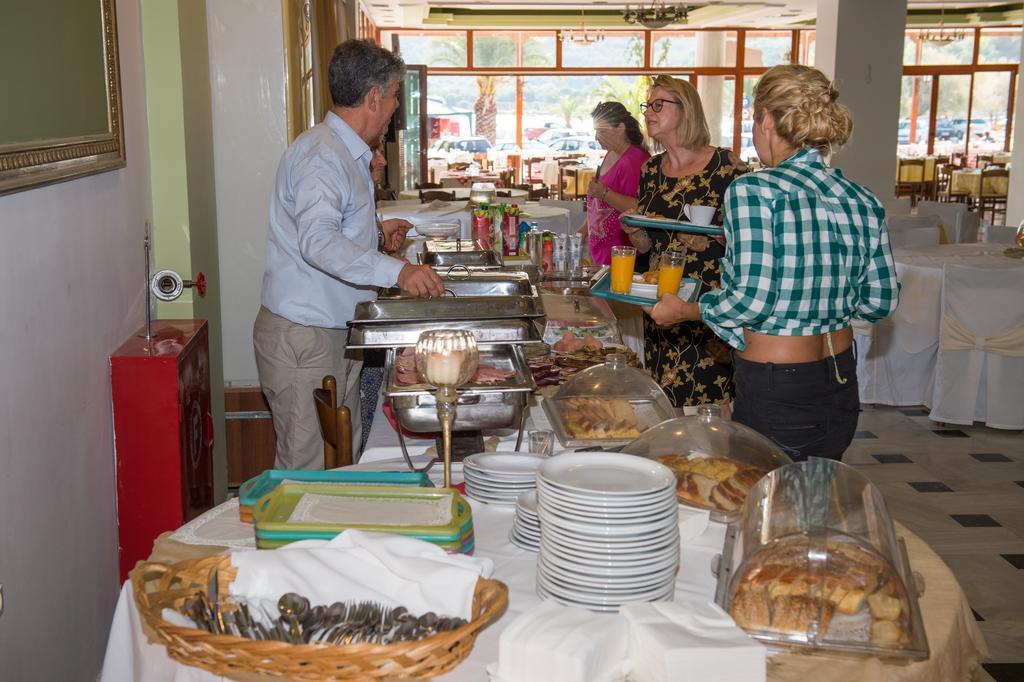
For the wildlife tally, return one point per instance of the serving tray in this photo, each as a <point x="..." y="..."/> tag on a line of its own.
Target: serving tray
<point x="252" y="490"/>
<point x="688" y="291"/>
<point x="272" y="514"/>
<point x="671" y="225"/>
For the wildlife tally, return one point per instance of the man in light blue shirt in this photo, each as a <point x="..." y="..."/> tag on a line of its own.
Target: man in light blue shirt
<point x="323" y="252"/>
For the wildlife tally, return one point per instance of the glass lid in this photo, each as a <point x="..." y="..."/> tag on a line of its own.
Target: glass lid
<point x="613" y="379"/>
<point x="716" y="461"/>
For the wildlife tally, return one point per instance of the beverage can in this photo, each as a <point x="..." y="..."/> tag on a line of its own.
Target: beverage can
<point x="548" y="251"/>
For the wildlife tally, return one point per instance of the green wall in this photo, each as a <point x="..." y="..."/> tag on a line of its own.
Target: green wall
<point x="178" y="110"/>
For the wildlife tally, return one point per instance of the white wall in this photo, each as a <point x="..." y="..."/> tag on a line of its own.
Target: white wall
<point x="71" y="277"/>
<point x="249" y="135"/>
<point x="859" y="44"/>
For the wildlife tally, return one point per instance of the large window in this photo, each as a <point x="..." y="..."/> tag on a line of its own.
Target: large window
<point x="956" y="95"/>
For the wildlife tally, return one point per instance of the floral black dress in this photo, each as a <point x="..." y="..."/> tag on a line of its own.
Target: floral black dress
<point x="688" y="361"/>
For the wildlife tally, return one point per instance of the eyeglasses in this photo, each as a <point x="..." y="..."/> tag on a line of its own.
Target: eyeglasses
<point x="657" y="104"/>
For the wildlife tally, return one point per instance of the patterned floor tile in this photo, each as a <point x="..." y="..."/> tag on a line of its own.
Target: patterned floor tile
<point x="930" y="486"/>
<point x="864" y="434"/>
<point x="1005" y="672"/>
<point x="1016" y="559"/>
<point x="990" y="457"/>
<point x="977" y="616"/>
<point x="976" y="521"/>
<point x="892" y="459"/>
<point x="950" y="433"/>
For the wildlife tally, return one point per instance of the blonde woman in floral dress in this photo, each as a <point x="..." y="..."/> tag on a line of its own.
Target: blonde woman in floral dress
<point x="690" y="363"/>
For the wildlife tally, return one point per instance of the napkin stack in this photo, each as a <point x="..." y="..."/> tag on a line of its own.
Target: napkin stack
<point x="553" y="643"/>
<point x="698" y="639"/>
<point x="360" y="566"/>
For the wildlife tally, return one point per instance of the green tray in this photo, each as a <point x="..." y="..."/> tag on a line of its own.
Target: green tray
<point x="602" y="289"/>
<point x="273" y="509"/>
<point x="671" y="225"/>
<point x="255" y="488"/>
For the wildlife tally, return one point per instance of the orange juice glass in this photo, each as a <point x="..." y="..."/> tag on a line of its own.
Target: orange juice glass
<point x="623" y="261"/>
<point x="670" y="273"/>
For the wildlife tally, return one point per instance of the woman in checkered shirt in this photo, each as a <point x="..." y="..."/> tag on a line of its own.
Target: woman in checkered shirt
<point x="807" y="253"/>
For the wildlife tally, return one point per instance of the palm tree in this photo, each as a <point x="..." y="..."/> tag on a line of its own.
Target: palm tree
<point x="567" y="108"/>
<point x="487" y="51"/>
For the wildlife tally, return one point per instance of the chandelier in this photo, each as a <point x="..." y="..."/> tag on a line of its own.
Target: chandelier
<point x="943" y="36"/>
<point x="582" y="37"/>
<point x="655" y="15"/>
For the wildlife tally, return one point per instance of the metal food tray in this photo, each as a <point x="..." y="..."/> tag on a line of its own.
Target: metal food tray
<point x="913" y="582"/>
<point x="487" y="332"/>
<point x="450" y="309"/>
<point x="648" y="413"/>
<point x="456" y="252"/>
<point x="480" y="406"/>
<point x="461" y="282"/>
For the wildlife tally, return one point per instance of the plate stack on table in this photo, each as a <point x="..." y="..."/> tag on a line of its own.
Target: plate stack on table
<point x="526" y="524"/>
<point x="609" y="530"/>
<point x="498" y="477"/>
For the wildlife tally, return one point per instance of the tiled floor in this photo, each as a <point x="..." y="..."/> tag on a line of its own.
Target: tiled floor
<point x="961" y="490"/>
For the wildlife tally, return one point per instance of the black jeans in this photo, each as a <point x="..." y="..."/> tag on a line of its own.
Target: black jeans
<point x="802" y="407"/>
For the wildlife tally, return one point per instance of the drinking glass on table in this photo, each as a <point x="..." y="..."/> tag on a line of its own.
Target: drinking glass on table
<point x="670" y="272"/>
<point x="623" y="262"/>
<point x="542" y="442"/>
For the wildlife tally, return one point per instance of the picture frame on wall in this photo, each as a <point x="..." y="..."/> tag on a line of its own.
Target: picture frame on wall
<point x="62" y="114"/>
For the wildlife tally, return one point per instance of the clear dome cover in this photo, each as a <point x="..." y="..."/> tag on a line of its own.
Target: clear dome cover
<point x="815" y="564"/>
<point x="607" y="404"/>
<point x="716" y="462"/>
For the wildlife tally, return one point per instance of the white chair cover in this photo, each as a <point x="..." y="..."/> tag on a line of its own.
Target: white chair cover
<point x="896" y="357"/>
<point x="979" y="371"/>
<point x="948" y="213"/>
<point x="967" y="228"/>
<point x="914" y="237"/>
<point x="1000" y="234"/>
<point x="895" y="206"/>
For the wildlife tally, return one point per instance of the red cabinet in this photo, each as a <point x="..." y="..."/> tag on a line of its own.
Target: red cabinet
<point x="163" y="433"/>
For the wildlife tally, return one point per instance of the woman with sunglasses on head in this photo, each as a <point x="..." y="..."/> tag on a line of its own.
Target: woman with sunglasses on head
<point x="687" y="360"/>
<point x="807" y="254"/>
<point x="614" y="188"/>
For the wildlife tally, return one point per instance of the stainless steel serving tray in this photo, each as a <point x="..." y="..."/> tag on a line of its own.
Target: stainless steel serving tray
<point x="449" y="309"/>
<point x="480" y="406"/>
<point x="487" y="332"/>
<point x="648" y="413"/>
<point x="456" y="252"/>
<point x="461" y="282"/>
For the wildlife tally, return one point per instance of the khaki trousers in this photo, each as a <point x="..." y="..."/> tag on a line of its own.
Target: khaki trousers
<point x="292" y="360"/>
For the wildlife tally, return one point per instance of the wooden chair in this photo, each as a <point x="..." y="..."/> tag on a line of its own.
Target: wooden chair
<point x="505" y="178"/>
<point x="335" y="425"/>
<point x="983" y="161"/>
<point x="914" y="185"/>
<point x="994" y="183"/>
<point x="504" y="193"/>
<point x="385" y="193"/>
<point x="538" y="194"/>
<point x="513" y="162"/>
<point x="428" y="185"/>
<point x="426" y="197"/>
<point x="458" y="166"/>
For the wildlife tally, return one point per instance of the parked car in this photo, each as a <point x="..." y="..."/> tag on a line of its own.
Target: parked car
<point x="470" y="145"/>
<point x="552" y="134"/>
<point x="575" y="144"/>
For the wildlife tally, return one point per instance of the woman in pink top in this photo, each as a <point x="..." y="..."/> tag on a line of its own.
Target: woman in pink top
<point x="614" y="188"/>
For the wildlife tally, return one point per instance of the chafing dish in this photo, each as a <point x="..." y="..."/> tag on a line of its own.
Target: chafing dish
<point x="456" y="252"/>
<point x="481" y="406"/>
<point x="487" y="332"/>
<point x="463" y="282"/>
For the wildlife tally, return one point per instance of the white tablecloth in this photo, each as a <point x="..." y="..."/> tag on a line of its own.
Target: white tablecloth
<point x="896" y="358"/>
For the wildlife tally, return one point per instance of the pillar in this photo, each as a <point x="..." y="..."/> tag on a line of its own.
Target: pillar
<point x="860" y="46"/>
<point x="1015" y="196"/>
<point x="711" y="52"/>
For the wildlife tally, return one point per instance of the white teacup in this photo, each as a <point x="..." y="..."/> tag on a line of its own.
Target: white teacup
<point x="699" y="215"/>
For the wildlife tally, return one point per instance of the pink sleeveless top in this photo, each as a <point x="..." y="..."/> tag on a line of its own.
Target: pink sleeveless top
<point x="602" y="219"/>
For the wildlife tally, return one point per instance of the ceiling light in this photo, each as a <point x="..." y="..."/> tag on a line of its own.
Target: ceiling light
<point x="943" y="36"/>
<point x="582" y="37"/>
<point x="656" y="15"/>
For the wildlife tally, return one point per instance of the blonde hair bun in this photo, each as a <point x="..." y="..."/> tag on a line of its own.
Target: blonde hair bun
<point x="803" y="103"/>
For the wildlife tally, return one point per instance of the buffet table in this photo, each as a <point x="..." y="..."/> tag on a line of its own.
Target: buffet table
<point x="955" y="640"/>
<point x="896" y="358"/>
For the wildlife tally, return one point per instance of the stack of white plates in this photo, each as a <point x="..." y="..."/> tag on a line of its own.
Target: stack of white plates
<point x="500" y="477"/>
<point x="526" y="524"/>
<point x="610" y="530"/>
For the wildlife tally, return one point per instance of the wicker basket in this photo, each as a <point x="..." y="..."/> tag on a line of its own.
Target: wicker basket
<point x="159" y="586"/>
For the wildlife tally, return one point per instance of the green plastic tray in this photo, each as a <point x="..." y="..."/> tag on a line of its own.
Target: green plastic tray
<point x="272" y="511"/>
<point x="602" y="289"/>
<point x="671" y="225"/>
<point x="255" y="488"/>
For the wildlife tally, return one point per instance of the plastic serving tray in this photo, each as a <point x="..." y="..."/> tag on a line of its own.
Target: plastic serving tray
<point x="602" y="289"/>
<point x="273" y="510"/>
<point x="258" y="486"/>
<point x="671" y="225"/>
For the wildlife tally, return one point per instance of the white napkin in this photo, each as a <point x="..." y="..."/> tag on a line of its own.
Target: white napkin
<point x="554" y="643"/>
<point x="692" y="523"/>
<point x="356" y="565"/>
<point x="666" y="638"/>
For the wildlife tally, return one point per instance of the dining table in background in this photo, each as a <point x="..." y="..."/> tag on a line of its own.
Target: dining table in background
<point x="896" y="357"/>
<point x="968" y="181"/>
<point x="462" y="193"/>
<point x="549" y="218"/>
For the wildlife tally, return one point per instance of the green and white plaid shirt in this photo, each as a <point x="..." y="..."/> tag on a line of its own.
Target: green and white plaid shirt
<point x="806" y="252"/>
